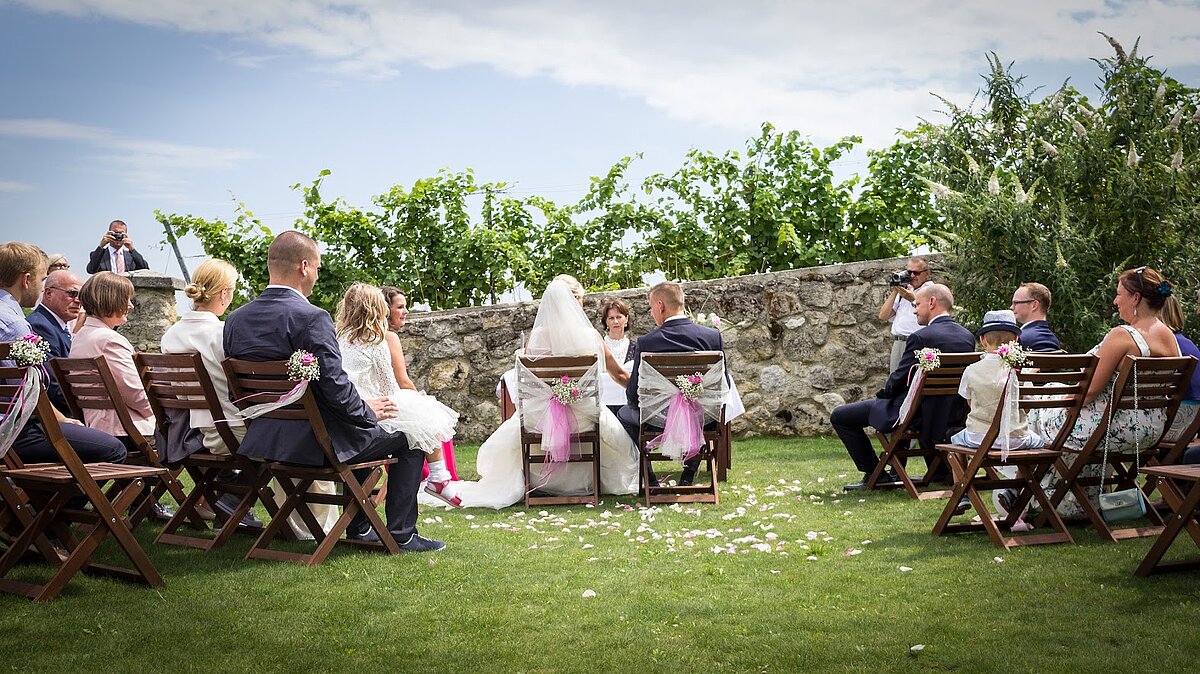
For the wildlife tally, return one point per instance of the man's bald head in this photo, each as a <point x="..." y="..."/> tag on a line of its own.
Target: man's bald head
<point x="293" y="260"/>
<point x="932" y="300"/>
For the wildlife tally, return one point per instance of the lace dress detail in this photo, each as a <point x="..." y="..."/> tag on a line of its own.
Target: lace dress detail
<point x="426" y="422"/>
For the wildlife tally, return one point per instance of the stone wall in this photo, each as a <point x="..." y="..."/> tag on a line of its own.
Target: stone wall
<point x="154" y="309"/>
<point x="809" y="340"/>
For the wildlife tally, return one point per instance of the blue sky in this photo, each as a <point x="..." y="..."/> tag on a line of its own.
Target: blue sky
<point x="115" y="108"/>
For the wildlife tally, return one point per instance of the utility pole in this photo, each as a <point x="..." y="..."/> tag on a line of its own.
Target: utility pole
<point x="175" y="246"/>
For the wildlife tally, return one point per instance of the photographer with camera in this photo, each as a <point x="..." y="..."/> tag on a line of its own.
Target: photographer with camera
<point x="898" y="307"/>
<point x="115" y="252"/>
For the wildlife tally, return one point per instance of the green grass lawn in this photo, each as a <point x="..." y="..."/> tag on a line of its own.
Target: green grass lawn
<point x="787" y="574"/>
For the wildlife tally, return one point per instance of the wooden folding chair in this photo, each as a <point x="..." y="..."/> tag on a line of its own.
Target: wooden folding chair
<point x="1160" y="384"/>
<point x="50" y="488"/>
<point x="252" y="383"/>
<point x="716" y="439"/>
<point x="88" y="384"/>
<point x="176" y="384"/>
<point x="551" y="369"/>
<point x="904" y="441"/>
<point x="15" y="511"/>
<point x="1047" y="382"/>
<point x="1186" y="514"/>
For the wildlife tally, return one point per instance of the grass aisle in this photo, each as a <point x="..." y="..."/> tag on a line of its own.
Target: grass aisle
<point x="787" y="574"/>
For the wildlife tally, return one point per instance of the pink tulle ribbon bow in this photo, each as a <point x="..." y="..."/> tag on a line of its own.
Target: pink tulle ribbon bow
<point x="683" y="430"/>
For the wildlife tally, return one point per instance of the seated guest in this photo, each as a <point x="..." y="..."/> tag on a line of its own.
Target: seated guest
<point x="932" y="304"/>
<point x="108" y="298"/>
<point x="53" y="319"/>
<point x="57" y="261"/>
<point x="1172" y="316"/>
<point x="200" y="330"/>
<point x="983" y="385"/>
<point x="22" y="269"/>
<point x="1030" y="303"/>
<point x="614" y="318"/>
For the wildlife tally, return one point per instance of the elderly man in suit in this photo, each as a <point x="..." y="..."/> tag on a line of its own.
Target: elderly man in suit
<point x="273" y="327"/>
<point x="675" y="333"/>
<point x="115" y="252"/>
<point x="932" y="303"/>
<point x="1030" y="303"/>
<point x="53" y="319"/>
<point x="22" y="268"/>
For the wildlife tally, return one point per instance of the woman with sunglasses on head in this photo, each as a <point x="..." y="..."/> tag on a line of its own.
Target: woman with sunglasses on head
<point x="1139" y="299"/>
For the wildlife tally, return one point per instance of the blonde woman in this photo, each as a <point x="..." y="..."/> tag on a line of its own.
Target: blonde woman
<point x="374" y="361"/>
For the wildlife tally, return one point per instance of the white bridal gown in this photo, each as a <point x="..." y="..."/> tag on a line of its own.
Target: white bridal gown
<point x="560" y="329"/>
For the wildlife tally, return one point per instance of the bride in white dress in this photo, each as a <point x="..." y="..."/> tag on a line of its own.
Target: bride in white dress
<point x="560" y="329"/>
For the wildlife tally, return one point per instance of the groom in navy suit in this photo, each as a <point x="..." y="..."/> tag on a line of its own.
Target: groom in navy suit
<point x="273" y="327"/>
<point x="52" y="320"/>
<point x="676" y="333"/>
<point x="932" y="305"/>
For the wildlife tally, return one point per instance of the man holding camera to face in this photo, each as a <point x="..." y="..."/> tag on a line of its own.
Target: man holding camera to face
<point x="898" y="306"/>
<point x="115" y="252"/>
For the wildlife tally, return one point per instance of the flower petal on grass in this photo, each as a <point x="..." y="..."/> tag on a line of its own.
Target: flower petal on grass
<point x="905" y="568"/>
<point x="588" y="594"/>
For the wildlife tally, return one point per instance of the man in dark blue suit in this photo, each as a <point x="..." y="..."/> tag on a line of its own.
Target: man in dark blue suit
<point x="932" y="305"/>
<point x="675" y="333"/>
<point x="1030" y="304"/>
<point x="115" y="252"/>
<point x="52" y="320"/>
<point x="273" y="327"/>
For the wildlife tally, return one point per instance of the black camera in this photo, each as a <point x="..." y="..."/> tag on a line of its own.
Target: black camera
<point x="900" y="278"/>
<point x="117" y="236"/>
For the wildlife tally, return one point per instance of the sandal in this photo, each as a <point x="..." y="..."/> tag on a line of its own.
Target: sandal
<point x="445" y="491"/>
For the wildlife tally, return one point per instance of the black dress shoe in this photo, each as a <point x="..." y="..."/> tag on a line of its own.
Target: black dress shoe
<point x="419" y="543"/>
<point x="224" y="508"/>
<point x="687" y="477"/>
<point x="963" y="504"/>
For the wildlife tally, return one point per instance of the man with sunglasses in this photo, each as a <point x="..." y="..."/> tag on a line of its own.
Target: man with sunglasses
<point x="53" y="319"/>
<point x="898" y="306"/>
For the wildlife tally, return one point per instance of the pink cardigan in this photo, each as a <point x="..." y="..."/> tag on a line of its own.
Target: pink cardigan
<point x="97" y="339"/>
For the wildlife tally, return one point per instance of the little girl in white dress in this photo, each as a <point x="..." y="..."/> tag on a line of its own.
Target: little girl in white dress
<point x="370" y="354"/>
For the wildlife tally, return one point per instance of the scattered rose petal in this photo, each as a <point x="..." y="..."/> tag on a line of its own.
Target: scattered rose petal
<point x="811" y="558"/>
<point x="906" y="568"/>
<point x="851" y="552"/>
<point x="916" y="649"/>
<point x="588" y="594"/>
<point x="998" y="560"/>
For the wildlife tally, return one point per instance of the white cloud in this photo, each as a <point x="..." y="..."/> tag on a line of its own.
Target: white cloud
<point x="830" y="69"/>
<point x="11" y="186"/>
<point x="156" y="168"/>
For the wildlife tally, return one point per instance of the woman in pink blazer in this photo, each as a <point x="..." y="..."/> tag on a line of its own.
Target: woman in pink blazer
<point x="108" y="298"/>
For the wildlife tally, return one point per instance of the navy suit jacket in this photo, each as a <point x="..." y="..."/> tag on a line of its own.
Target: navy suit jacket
<point x="681" y="335"/>
<point x="273" y="327"/>
<point x="937" y="414"/>
<point x="45" y="324"/>
<point x="99" y="260"/>
<point x="1037" y="336"/>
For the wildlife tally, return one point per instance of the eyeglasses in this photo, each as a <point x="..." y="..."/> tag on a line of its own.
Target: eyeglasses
<point x="73" y="294"/>
<point x="914" y="272"/>
<point x="1023" y="301"/>
<point x="59" y="265"/>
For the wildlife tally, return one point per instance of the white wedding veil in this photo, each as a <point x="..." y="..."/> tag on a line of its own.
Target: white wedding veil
<point x="561" y="328"/>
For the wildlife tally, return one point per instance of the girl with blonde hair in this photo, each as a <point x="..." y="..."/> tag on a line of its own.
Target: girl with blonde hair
<point x="374" y="361"/>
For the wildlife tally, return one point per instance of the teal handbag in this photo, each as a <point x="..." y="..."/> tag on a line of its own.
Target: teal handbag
<point x="1126" y="504"/>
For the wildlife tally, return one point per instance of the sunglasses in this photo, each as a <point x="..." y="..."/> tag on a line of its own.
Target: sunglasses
<point x="73" y="294"/>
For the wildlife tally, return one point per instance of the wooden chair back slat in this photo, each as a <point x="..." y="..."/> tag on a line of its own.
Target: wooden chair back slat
<point x="255" y="382"/>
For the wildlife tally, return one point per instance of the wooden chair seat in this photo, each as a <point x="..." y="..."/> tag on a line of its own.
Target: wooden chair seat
<point x="903" y="442"/>
<point x="62" y="475"/>
<point x="715" y="450"/>
<point x="585" y="443"/>
<point x="254" y="382"/>
<point x="1160" y="384"/>
<point x="978" y="469"/>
